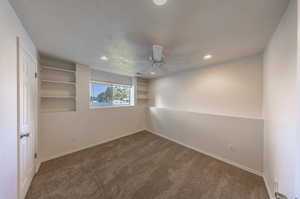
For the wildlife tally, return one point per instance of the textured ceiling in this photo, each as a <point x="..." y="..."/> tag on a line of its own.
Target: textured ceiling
<point x="124" y="30"/>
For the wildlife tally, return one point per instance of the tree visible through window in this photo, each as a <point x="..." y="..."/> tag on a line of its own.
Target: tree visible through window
<point x="105" y="94"/>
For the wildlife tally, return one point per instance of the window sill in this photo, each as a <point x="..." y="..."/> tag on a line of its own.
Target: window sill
<point x="109" y="107"/>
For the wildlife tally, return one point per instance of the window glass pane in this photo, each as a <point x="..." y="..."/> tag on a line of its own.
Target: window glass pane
<point x="101" y="94"/>
<point x="121" y="95"/>
<point x="104" y="94"/>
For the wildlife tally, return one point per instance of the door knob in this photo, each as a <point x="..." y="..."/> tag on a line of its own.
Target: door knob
<point x="24" y="135"/>
<point x="280" y="196"/>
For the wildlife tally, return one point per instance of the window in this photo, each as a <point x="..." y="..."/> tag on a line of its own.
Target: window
<point x="106" y="94"/>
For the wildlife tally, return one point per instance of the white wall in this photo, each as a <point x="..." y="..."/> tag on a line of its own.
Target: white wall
<point x="66" y="132"/>
<point x="281" y="104"/>
<point x="233" y="88"/>
<point x="216" y="109"/>
<point x="234" y="140"/>
<point x="10" y="28"/>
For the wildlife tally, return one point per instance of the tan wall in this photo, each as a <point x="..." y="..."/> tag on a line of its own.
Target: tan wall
<point x="66" y="132"/>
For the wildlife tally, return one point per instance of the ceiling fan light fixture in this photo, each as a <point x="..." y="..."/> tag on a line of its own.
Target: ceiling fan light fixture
<point x="160" y="2"/>
<point x="104" y="58"/>
<point x="207" y="57"/>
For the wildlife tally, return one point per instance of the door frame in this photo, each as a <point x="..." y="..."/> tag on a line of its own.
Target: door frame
<point x="21" y="46"/>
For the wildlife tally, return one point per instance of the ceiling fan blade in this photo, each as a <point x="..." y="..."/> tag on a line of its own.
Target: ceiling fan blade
<point x="177" y="61"/>
<point x="128" y="61"/>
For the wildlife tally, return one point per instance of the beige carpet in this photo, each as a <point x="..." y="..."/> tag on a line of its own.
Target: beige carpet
<point x="143" y="166"/>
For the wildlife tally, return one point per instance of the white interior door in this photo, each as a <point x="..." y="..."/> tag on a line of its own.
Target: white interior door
<point x="27" y="118"/>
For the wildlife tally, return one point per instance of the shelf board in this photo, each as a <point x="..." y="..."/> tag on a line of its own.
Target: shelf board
<point x="47" y="67"/>
<point x="142" y="97"/>
<point x="139" y="80"/>
<point x="58" y="82"/>
<point x="144" y="84"/>
<point x="142" y="90"/>
<point x="57" y="110"/>
<point x="58" y="97"/>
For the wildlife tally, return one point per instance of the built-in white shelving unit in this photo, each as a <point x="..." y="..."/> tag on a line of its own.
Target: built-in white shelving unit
<point x="57" y="86"/>
<point x="142" y="91"/>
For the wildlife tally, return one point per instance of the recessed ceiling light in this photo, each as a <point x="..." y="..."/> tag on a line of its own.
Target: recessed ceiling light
<point x="104" y="58"/>
<point x="160" y="2"/>
<point x="207" y="57"/>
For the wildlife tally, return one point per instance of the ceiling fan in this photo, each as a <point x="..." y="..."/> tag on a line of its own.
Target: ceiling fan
<point x="157" y="60"/>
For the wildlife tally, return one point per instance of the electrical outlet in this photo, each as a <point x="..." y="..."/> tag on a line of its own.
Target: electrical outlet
<point x="74" y="140"/>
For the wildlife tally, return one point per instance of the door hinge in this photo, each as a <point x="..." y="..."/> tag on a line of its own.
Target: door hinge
<point x="35" y="155"/>
<point x="35" y="75"/>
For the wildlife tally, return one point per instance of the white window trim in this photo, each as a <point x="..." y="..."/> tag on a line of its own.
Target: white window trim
<point x="132" y="96"/>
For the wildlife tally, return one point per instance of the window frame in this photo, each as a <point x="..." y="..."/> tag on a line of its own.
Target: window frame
<point x="132" y="96"/>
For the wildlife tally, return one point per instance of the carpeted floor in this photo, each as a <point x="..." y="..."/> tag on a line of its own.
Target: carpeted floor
<point x="143" y="166"/>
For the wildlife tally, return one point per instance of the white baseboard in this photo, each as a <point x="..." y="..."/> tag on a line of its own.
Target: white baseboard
<point x="271" y="195"/>
<point x="37" y="166"/>
<point x="85" y="147"/>
<point x="211" y="155"/>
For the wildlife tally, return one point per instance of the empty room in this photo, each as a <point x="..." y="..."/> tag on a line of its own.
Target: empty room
<point x="149" y="99"/>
